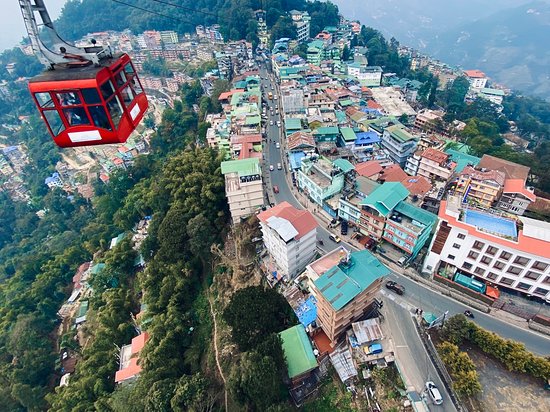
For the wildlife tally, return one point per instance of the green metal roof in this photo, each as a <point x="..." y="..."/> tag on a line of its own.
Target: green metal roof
<point x="244" y="167"/>
<point x="346" y="103"/>
<point x="293" y="124"/>
<point x="416" y="213"/>
<point x="462" y="159"/>
<point x="326" y="130"/>
<point x="344" y="165"/>
<point x="82" y="309"/>
<point x="252" y="120"/>
<point x="343" y="282"/>
<point x="400" y="134"/>
<point x="386" y="197"/>
<point x="97" y="268"/>
<point x="348" y="134"/>
<point x="298" y="352"/>
<point x="493" y="92"/>
<point x="340" y="116"/>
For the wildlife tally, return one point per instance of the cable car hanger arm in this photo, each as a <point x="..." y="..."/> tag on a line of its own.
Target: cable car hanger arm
<point x="62" y="52"/>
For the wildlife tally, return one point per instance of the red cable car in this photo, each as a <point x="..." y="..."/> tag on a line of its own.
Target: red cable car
<point x="88" y="96"/>
<point x="90" y="105"/>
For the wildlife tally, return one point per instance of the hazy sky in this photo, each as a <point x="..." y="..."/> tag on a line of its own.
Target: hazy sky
<point x="12" y="28"/>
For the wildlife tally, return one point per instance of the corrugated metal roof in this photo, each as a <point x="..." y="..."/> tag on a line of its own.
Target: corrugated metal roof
<point x="386" y="197"/>
<point x="283" y="227"/>
<point x="344" y="165"/>
<point x="244" y="167"/>
<point x="416" y="213"/>
<point x="298" y="352"/>
<point x="367" y="331"/>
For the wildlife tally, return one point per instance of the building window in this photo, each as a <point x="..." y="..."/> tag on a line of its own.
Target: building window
<point x="499" y="265"/>
<point x="478" y="245"/>
<point x="505" y="256"/>
<point x="540" y="266"/>
<point x="492" y="276"/>
<point x="547" y="280"/>
<point x="506" y="281"/>
<point x="456" y="246"/>
<point x="514" y="270"/>
<point x="461" y="236"/>
<point x="491" y="250"/>
<point x="486" y="260"/>
<point x="532" y="275"/>
<point x="479" y="271"/>
<point x="452" y="257"/>
<point x="540" y="291"/>
<point x="523" y="286"/>
<point x="473" y="255"/>
<point x="520" y="260"/>
<point x="466" y="265"/>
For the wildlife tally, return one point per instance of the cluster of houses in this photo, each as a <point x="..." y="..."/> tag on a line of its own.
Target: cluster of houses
<point x="13" y="160"/>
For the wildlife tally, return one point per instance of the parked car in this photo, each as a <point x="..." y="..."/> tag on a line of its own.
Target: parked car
<point x="334" y="238"/>
<point x="434" y="393"/>
<point x="396" y="287"/>
<point x="271" y="122"/>
<point x="275" y="189"/>
<point x="271" y="167"/>
<point x="277" y="145"/>
<point x="279" y="167"/>
<point x="344" y="227"/>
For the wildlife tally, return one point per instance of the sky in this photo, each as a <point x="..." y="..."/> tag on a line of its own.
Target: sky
<point x="12" y="28"/>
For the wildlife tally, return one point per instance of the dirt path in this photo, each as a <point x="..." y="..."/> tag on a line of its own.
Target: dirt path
<point x="216" y="350"/>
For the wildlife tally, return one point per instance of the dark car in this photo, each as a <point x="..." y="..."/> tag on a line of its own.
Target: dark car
<point x="344" y="227"/>
<point x="396" y="287"/>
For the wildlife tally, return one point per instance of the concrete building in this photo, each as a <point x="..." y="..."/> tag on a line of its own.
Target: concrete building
<point x="243" y="187"/>
<point x="399" y="143"/>
<point x="53" y="181"/>
<point x="495" y="96"/>
<point x="169" y="37"/>
<point x="262" y="32"/>
<point x="368" y="76"/>
<point x="319" y="179"/>
<point x="515" y="197"/>
<point x="345" y="285"/>
<point x="301" y="20"/>
<point x="478" y="79"/>
<point x="430" y="121"/>
<point x="290" y="237"/>
<point x="349" y="207"/>
<point x="435" y="165"/>
<point x="481" y="186"/>
<point x="491" y="248"/>
<point x="129" y="359"/>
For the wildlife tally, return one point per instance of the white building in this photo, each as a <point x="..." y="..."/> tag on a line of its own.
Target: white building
<point x="368" y="76"/>
<point x="243" y="187"/>
<point x="491" y="248"/>
<point x="495" y="96"/>
<point x="169" y="37"/>
<point x="290" y="237"/>
<point x="478" y="79"/>
<point x="301" y="20"/>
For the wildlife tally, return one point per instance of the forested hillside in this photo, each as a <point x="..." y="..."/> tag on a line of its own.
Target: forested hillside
<point x="235" y="17"/>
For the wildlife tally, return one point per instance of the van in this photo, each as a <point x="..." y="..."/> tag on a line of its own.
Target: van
<point x="402" y="260"/>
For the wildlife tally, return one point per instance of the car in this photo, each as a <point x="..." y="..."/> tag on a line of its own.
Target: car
<point x="434" y="393"/>
<point x="344" y="227"/>
<point x="275" y="189"/>
<point x="271" y="122"/>
<point x="276" y="107"/>
<point x="396" y="287"/>
<point x="279" y="167"/>
<point x="334" y="238"/>
<point x="271" y="167"/>
<point x="278" y="124"/>
<point x="278" y="145"/>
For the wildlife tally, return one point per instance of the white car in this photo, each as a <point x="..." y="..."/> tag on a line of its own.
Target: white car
<point x="278" y="124"/>
<point x="271" y="167"/>
<point x="279" y="167"/>
<point x="434" y="393"/>
<point x="277" y="145"/>
<point x="271" y="122"/>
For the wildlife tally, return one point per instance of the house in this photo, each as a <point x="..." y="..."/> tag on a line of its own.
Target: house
<point x="53" y="181"/>
<point x="376" y="207"/>
<point x="345" y="285"/>
<point x="349" y="207"/>
<point x="477" y="79"/>
<point x="129" y="367"/>
<point x="289" y="236"/>
<point x="515" y="197"/>
<point x="243" y="186"/>
<point x="319" y="179"/>
<point x="510" y="253"/>
<point x="370" y="169"/>
<point x="326" y="134"/>
<point x="392" y="173"/>
<point x="347" y="137"/>
<point x="418" y="187"/>
<point x="300" y="142"/>
<point x="299" y="357"/>
<point x="434" y="165"/>
<point x="480" y="186"/>
<point x="399" y="143"/>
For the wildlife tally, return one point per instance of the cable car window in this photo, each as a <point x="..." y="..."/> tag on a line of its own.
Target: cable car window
<point x="99" y="117"/>
<point x="44" y="99"/>
<point x="107" y="89"/>
<point x="120" y="78"/>
<point x="129" y="70"/>
<point x="136" y="86"/>
<point x="127" y="95"/>
<point x="91" y="96"/>
<point x="54" y="121"/>
<point x="115" y="110"/>
<point x="69" y="99"/>
<point x="76" y="116"/>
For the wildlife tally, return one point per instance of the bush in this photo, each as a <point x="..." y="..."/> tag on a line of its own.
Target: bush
<point x="461" y="368"/>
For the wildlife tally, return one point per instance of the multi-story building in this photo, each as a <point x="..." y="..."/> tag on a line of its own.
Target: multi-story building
<point x="169" y="37"/>
<point x="368" y="76"/>
<point x="430" y="121"/>
<point x="243" y="187"/>
<point x="349" y="207"/>
<point x="478" y="79"/>
<point x="399" y="143"/>
<point x="435" y="165"/>
<point x="491" y="248"/>
<point x="225" y="65"/>
<point x="409" y="227"/>
<point x="345" y="285"/>
<point x="495" y="96"/>
<point x="290" y="236"/>
<point x="481" y="186"/>
<point x="319" y="179"/>
<point x="376" y="207"/>
<point x="262" y="32"/>
<point x="515" y="197"/>
<point x="301" y="20"/>
<point x="53" y="181"/>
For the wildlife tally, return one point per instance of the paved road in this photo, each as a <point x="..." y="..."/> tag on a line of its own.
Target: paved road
<point x="413" y="361"/>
